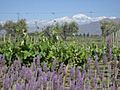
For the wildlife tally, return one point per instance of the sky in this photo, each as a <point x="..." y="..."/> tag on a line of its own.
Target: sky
<point x="49" y="9"/>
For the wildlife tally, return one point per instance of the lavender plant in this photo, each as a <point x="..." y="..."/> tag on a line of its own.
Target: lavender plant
<point x="40" y="77"/>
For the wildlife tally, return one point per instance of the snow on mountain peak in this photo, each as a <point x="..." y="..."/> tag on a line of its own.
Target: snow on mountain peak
<point x="78" y="18"/>
<point x="81" y="16"/>
<point x="84" y="21"/>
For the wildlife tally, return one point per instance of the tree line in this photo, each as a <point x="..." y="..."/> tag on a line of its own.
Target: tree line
<point x="63" y="30"/>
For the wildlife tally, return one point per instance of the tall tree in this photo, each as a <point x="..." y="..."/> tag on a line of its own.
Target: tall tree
<point x="21" y="26"/>
<point x="1" y="27"/>
<point x="9" y="26"/>
<point x="108" y="27"/>
<point x="13" y="28"/>
<point x="65" y="30"/>
<point x="73" y="28"/>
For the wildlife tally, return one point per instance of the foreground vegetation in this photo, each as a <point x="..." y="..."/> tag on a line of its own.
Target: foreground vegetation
<point x="94" y="76"/>
<point x="57" y="59"/>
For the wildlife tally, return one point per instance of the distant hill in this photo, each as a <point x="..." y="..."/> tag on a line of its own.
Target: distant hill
<point x="92" y="28"/>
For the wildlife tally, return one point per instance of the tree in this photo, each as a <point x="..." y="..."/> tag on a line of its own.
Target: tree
<point x="73" y="28"/>
<point x="88" y="34"/>
<point x="109" y="27"/>
<point x="1" y="27"/>
<point x="56" y="29"/>
<point x="84" y="34"/>
<point x="65" y="29"/>
<point x="9" y="26"/>
<point x="68" y="29"/>
<point x="13" y="28"/>
<point x="21" y="26"/>
<point x="46" y="31"/>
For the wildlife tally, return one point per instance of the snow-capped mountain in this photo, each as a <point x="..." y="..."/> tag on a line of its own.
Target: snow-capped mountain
<point x="86" y="23"/>
<point x="79" y="18"/>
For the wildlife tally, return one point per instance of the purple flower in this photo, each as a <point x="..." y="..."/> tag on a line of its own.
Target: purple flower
<point x="96" y="64"/>
<point x="72" y="73"/>
<point x="28" y="74"/>
<point x="2" y="61"/>
<point x="32" y="83"/>
<point x="113" y="87"/>
<point x="88" y="87"/>
<point x="27" y="87"/>
<point x="6" y="83"/>
<point x="44" y="78"/>
<point x="18" y="87"/>
<point x="22" y="71"/>
<point x="89" y="60"/>
<point x="39" y="82"/>
<point x="110" y="53"/>
<point x="53" y="65"/>
<point x="45" y="68"/>
<point x="55" y="82"/>
<point x="84" y="73"/>
<point x="62" y="68"/>
<point x="49" y="75"/>
<point x="35" y="73"/>
<point x="33" y="66"/>
<point x="72" y="86"/>
<point x="95" y="82"/>
<point x="38" y="60"/>
<point x="60" y="77"/>
<point x="104" y="58"/>
<point x="78" y="73"/>
<point x="101" y="76"/>
<point x="90" y="73"/>
<point x="40" y="71"/>
<point x="17" y="65"/>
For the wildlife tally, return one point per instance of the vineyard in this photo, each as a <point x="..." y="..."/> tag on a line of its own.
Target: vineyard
<point x="49" y="61"/>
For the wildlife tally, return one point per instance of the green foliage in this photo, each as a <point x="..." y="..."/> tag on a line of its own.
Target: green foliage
<point x="73" y="28"/>
<point x="9" y="26"/>
<point x="64" y="30"/>
<point x="15" y="27"/>
<point x="21" y="26"/>
<point x="108" y="27"/>
<point x="27" y="47"/>
<point x="49" y="45"/>
<point x="116" y="52"/>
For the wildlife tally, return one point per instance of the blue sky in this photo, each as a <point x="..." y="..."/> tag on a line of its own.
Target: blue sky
<point x="42" y="9"/>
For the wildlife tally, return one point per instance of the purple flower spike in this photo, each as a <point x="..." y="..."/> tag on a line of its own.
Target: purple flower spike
<point x="45" y="68"/>
<point x="96" y="62"/>
<point x="104" y="58"/>
<point x="113" y="87"/>
<point x="72" y="73"/>
<point x="18" y="87"/>
<point x="89" y="60"/>
<point x="6" y="83"/>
